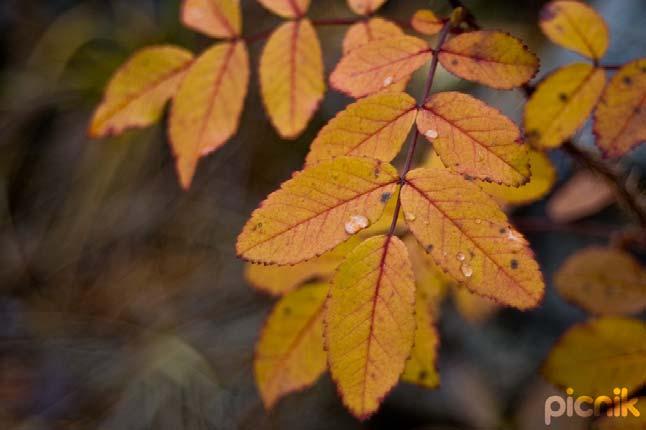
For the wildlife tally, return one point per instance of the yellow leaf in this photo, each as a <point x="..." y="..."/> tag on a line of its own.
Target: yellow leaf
<point x="364" y="32"/>
<point x="379" y="64"/>
<point x="291" y="76"/>
<point x="137" y="93"/>
<point x="426" y="22"/>
<point x="620" y="422"/>
<point x="603" y="281"/>
<point x="208" y="104"/>
<point x="576" y="26"/>
<point x="468" y="235"/>
<point x="620" y="116"/>
<point x="474" y="139"/>
<point x="365" y="7"/>
<point x="472" y="307"/>
<point x="287" y="8"/>
<point x="561" y="104"/>
<point x="541" y="181"/>
<point x="492" y="58"/>
<point x="374" y="127"/>
<point x="369" y="322"/>
<point x="595" y="357"/>
<point x="289" y="354"/>
<point x="421" y="365"/>
<point x="216" y="18"/>
<point x="431" y="283"/>
<point x="317" y="209"/>
<point x="584" y="194"/>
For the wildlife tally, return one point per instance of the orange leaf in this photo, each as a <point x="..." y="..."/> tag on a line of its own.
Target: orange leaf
<point x="426" y="22"/>
<point x="374" y="126"/>
<point x="421" y="365"/>
<point x="584" y="194"/>
<point x="287" y="8"/>
<point x="469" y="237"/>
<point x="289" y="355"/>
<point x="369" y="322"/>
<point x="474" y="139"/>
<point x="576" y="26"/>
<point x="364" y="32"/>
<point x="216" y="18"/>
<point x="603" y="281"/>
<point x="492" y="58"/>
<point x="317" y="209"/>
<point x="208" y="104"/>
<point x="620" y="117"/>
<point x="291" y="76"/>
<point x="139" y="90"/>
<point x="561" y="104"/>
<point x="379" y="64"/>
<point x="365" y="7"/>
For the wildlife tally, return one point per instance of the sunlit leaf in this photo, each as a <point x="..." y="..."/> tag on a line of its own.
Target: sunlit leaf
<point x="289" y="355"/>
<point x="317" y="209"/>
<point x="365" y="7"/>
<point x="287" y="8"/>
<point x="561" y="104"/>
<point x="421" y="366"/>
<point x="469" y="236"/>
<point x="603" y="281"/>
<point x="620" y="116"/>
<point x="576" y="26"/>
<point x="139" y="90"/>
<point x="492" y="58"/>
<point x="584" y="194"/>
<point x="374" y="127"/>
<point x="473" y="308"/>
<point x="364" y="32"/>
<point x="369" y="322"/>
<point x="595" y="357"/>
<point x="216" y="18"/>
<point x="208" y="104"/>
<point x="379" y="64"/>
<point x="426" y="22"/>
<point x="291" y="76"/>
<point x="474" y="139"/>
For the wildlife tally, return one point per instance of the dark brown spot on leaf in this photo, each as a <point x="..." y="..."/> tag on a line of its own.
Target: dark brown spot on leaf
<point x="563" y="97"/>
<point x="385" y="197"/>
<point x="514" y="263"/>
<point x="627" y="80"/>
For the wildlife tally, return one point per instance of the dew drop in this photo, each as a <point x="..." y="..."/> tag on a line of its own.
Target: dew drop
<point x="511" y="235"/>
<point x="409" y="216"/>
<point x="388" y="81"/>
<point x="478" y="221"/>
<point x="460" y="256"/>
<point x="431" y="134"/>
<point x="356" y="223"/>
<point x="466" y="270"/>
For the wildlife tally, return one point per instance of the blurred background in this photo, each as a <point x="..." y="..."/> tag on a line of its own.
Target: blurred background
<point x="122" y="304"/>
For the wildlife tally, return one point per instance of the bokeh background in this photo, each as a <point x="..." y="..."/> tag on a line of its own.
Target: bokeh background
<point x="122" y="304"/>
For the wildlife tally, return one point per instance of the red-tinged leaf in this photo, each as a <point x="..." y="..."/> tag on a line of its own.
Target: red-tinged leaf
<point x="291" y="76"/>
<point x="468" y="235"/>
<point x="369" y="322"/>
<point x="138" y="92"/>
<point x="374" y="127"/>
<point x="216" y="18"/>
<point x="426" y="22"/>
<point x="317" y="209"/>
<point x="474" y="139"/>
<point x="379" y="64"/>
<point x="364" y="32"/>
<point x="492" y="58"/>
<point x="287" y="8"/>
<point x="365" y="7"/>
<point x="208" y="104"/>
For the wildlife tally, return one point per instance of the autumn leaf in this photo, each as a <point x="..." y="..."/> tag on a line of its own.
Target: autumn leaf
<point x="366" y="31"/>
<point x="584" y="194"/>
<point x="287" y="8"/>
<point x="576" y="26"/>
<point x="289" y="354"/>
<point x="431" y="282"/>
<point x="215" y="18"/>
<point x="595" y="357"/>
<point x="317" y="209"/>
<point x="603" y="281"/>
<point x="472" y="307"/>
<point x="474" y="139"/>
<point x="379" y="64"/>
<point x="374" y="126"/>
<point x="620" y="422"/>
<point x="139" y="90"/>
<point x="421" y="366"/>
<point x="208" y="104"/>
<point x="365" y="7"/>
<point x="426" y="22"/>
<point x="621" y="113"/>
<point x="492" y="58"/>
<point x="468" y="235"/>
<point x="291" y="76"/>
<point x="369" y="322"/>
<point x="561" y="104"/>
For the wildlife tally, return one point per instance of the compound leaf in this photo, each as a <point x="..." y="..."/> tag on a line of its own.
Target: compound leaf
<point x="492" y="58"/>
<point x="369" y="322"/>
<point x="561" y="104"/>
<point x="139" y="90"/>
<point x="291" y="76"/>
<point x="474" y="139"/>
<point x="421" y="365"/>
<point x="207" y="108"/>
<point x="468" y="235"/>
<point x="365" y="7"/>
<point x="216" y="18"/>
<point x="287" y="8"/>
<point x="289" y="354"/>
<point x="364" y="32"/>
<point x="374" y="127"/>
<point x="426" y="22"/>
<point x="317" y="209"/>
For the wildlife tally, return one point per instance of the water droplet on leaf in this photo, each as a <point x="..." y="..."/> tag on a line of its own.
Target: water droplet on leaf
<point x="431" y="134"/>
<point x="409" y="216"/>
<point x="466" y="270"/>
<point x="388" y="81"/>
<point x="356" y="223"/>
<point x="460" y="256"/>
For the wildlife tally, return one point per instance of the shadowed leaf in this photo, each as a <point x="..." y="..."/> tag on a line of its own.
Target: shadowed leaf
<point x="216" y="18"/>
<point x="365" y="7"/>
<point x="421" y="366"/>
<point x="287" y="8"/>
<point x="584" y="194"/>
<point x="426" y="22"/>
<point x="364" y="32"/>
